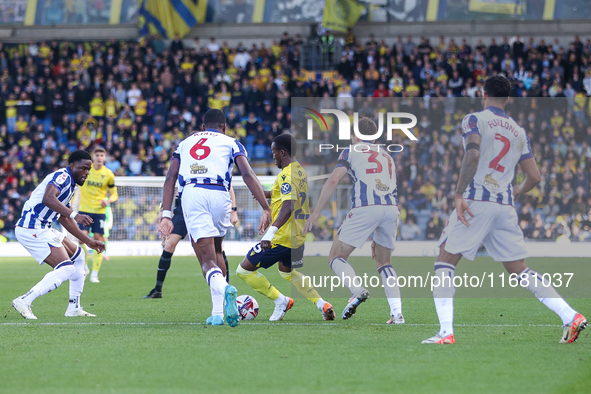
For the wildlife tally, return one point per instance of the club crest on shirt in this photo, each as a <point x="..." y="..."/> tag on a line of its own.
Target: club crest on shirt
<point x="198" y="169"/>
<point x="491" y="182"/>
<point x="285" y="188"/>
<point x="381" y="187"/>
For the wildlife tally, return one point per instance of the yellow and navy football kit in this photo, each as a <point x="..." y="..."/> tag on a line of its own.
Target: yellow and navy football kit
<point x="287" y="245"/>
<point x="288" y="242"/>
<point x="92" y="193"/>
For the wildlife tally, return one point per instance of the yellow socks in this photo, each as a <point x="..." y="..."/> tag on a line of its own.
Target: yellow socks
<point x="97" y="261"/>
<point x="304" y="287"/>
<point x="257" y="281"/>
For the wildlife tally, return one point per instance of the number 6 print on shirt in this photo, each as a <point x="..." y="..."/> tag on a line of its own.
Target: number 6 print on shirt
<point x="200" y="147"/>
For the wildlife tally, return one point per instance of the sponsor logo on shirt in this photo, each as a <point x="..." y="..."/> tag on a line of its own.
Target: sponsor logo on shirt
<point x="491" y="182"/>
<point x="198" y="169"/>
<point x="381" y="187"/>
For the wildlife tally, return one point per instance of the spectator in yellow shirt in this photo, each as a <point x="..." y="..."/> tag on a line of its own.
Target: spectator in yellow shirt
<point x="428" y="190"/>
<point x="11" y="112"/>
<point x="124" y="123"/>
<point x="412" y="89"/>
<point x="97" y="106"/>
<point x="141" y="107"/>
<point x="187" y="65"/>
<point x="21" y="124"/>
<point x="111" y="107"/>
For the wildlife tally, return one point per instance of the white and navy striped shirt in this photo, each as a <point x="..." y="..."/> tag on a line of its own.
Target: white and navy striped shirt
<point x="503" y="145"/>
<point x="373" y="173"/>
<point x="37" y="215"/>
<point x="207" y="159"/>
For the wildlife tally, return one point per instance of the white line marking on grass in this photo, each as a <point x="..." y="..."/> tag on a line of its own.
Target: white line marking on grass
<point x="473" y="325"/>
<point x="257" y="323"/>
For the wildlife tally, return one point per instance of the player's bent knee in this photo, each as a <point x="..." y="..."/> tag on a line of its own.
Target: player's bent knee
<point x="172" y="242"/>
<point x="242" y="272"/>
<point x="515" y="267"/>
<point x="66" y="268"/>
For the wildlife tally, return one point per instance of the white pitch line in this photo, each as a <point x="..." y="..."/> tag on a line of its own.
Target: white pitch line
<point x="260" y="324"/>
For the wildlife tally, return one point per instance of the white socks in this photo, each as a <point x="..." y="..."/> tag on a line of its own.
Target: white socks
<point x="444" y="293"/>
<point x="77" y="279"/>
<point x="217" y="285"/>
<point x="389" y="281"/>
<point x="216" y="280"/>
<point x="217" y="300"/>
<point x="346" y="273"/>
<point x="281" y="299"/>
<point x="547" y="294"/>
<point x="320" y="304"/>
<point x="443" y="296"/>
<point x="51" y="281"/>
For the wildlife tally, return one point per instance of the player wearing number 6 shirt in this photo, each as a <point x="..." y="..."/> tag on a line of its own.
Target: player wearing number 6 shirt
<point x="283" y="244"/>
<point x="203" y="164"/>
<point x="50" y="201"/>
<point x="494" y="145"/>
<point x="374" y="211"/>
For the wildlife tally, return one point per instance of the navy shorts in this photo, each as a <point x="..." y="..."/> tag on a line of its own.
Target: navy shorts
<point x="293" y="258"/>
<point x="98" y="227"/>
<point x="178" y="221"/>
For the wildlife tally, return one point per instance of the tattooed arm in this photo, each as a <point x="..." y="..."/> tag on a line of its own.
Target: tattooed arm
<point x="467" y="171"/>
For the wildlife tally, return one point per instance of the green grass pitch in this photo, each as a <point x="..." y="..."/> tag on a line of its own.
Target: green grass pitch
<point x="162" y="346"/>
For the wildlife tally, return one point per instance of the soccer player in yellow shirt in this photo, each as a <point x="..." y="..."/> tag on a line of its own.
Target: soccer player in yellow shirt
<point x="94" y="201"/>
<point x="283" y="243"/>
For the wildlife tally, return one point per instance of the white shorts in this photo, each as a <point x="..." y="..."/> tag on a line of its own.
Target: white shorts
<point x="493" y="225"/>
<point x="206" y="212"/>
<point x="39" y="242"/>
<point x="361" y="222"/>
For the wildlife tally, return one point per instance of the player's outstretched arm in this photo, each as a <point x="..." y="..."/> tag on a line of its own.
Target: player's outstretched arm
<point x="283" y="216"/>
<point x="233" y="213"/>
<point x="256" y="189"/>
<point x="165" y="227"/>
<point x="72" y="227"/>
<point x="532" y="176"/>
<point x="467" y="172"/>
<point x="51" y="201"/>
<point x="327" y="191"/>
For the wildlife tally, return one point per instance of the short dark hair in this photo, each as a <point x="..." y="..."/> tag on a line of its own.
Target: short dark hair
<point x="287" y="143"/>
<point x="78" y="155"/>
<point x="497" y="86"/>
<point x="214" y="118"/>
<point x="367" y="126"/>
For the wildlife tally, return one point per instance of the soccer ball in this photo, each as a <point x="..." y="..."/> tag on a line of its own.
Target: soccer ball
<point x="248" y="307"/>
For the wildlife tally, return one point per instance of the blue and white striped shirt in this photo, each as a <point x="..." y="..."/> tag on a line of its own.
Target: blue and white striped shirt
<point x="373" y="174"/>
<point x="35" y="214"/>
<point x="504" y="144"/>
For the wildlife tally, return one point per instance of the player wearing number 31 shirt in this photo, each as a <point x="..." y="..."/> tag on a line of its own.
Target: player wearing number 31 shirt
<point x="374" y="211"/>
<point x="204" y="162"/>
<point x="494" y="145"/>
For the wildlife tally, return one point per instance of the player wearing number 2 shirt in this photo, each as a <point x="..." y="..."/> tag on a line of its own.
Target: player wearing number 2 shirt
<point x="203" y="164"/>
<point x="374" y="211"/>
<point x="484" y="214"/>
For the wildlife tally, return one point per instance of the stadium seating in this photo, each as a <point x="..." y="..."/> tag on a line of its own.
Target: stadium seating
<point x="139" y="102"/>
